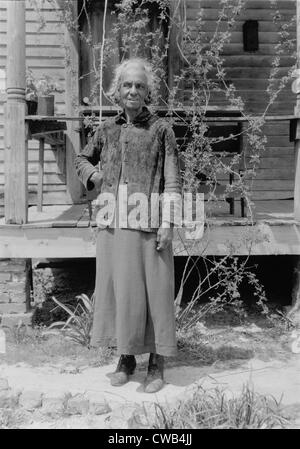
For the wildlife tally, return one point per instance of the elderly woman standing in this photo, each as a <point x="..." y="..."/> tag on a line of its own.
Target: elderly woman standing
<point x="134" y="293"/>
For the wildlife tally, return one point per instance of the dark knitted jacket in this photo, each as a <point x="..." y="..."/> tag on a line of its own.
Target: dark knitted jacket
<point x="142" y="155"/>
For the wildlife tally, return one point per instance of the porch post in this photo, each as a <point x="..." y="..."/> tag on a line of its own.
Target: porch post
<point x="16" y="178"/>
<point x="296" y="89"/>
<point x="72" y="102"/>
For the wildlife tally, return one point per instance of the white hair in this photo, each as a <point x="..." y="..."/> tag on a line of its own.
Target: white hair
<point x="152" y="80"/>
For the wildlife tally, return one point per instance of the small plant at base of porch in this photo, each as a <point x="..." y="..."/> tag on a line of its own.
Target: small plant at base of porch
<point x="79" y="323"/>
<point x="217" y="290"/>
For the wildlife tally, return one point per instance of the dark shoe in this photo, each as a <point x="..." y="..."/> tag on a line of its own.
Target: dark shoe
<point x="125" y="368"/>
<point x="155" y="375"/>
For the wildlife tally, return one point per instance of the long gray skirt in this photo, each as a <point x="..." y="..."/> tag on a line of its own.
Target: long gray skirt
<point x="134" y="294"/>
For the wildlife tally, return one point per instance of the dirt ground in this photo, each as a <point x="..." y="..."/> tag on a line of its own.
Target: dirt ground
<point x="213" y="348"/>
<point x="221" y="340"/>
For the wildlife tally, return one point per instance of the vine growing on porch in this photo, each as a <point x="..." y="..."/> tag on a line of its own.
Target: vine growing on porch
<point x="201" y="83"/>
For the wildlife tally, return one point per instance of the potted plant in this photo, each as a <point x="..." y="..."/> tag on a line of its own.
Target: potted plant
<point x="31" y="93"/>
<point x="45" y="88"/>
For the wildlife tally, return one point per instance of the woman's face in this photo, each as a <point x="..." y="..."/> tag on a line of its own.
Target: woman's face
<point x="133" y="88"/>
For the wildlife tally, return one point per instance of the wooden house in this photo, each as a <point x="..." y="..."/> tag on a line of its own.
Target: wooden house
<point x="43" y="205"/>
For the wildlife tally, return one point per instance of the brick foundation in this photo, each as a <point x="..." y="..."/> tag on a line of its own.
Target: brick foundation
<point x="15" y="285"/>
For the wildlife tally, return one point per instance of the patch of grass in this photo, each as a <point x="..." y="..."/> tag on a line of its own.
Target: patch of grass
<point x="33" y="347"/>
<point x="216" y="343"/>
<point x="273" y="316"/>
<point x="227" y="316"/>
<point x="194" y="348"/>
<point x="64" y="342"/>
<point x="224" y="337"/>
<point x="214" y="409"/>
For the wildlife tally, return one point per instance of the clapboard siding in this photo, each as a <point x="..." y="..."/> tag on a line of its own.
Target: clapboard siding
<point x="236" y="37"/>
<point x="250" y="73"/>
<point x="210" y="26"/>
<point x="51" y="28"/>
<point x="251" y="4"/>
<point x="44" y="55"/>
<point x="263" y="15"/>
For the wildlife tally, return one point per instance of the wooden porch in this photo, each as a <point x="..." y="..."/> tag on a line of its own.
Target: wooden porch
<point x="67" y="232"/>
<point x="61" y="231"/>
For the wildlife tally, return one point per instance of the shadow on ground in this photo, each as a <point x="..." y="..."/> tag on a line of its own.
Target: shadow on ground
<point x="188" y="367"/>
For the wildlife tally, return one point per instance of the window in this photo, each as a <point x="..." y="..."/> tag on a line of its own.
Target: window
<point x="250" y="35"/>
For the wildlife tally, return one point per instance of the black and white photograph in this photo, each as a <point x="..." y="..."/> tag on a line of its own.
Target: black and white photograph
<point x="150" y="217"/>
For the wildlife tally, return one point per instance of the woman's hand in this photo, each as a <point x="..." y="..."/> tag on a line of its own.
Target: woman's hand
<point x="164" y="238"/>
<point x="97" y="179"/>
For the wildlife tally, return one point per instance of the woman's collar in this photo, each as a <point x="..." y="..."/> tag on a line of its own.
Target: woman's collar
<point x="142" y="117"/>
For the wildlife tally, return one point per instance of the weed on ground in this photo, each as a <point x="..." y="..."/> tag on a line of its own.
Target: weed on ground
<point x="215" y="409"/>
<point x="13" y="418"/>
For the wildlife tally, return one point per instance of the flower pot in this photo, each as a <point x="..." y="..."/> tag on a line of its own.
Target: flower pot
<point x="31" y="107"/>
<point x="45" y="105"/>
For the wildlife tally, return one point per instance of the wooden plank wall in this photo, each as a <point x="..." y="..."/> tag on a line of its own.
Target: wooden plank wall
<point x="44" y="55"/>
<point x="249" y="72"/>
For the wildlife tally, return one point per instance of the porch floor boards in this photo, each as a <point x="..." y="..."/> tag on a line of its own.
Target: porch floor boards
<point x="65" y="232"/>
<point x="77" y="215"/>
